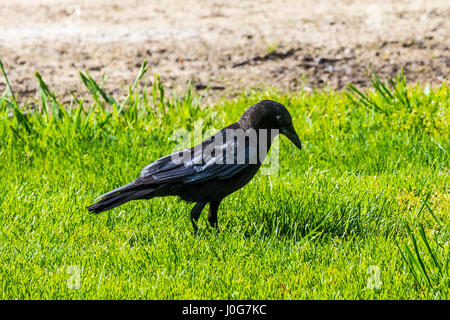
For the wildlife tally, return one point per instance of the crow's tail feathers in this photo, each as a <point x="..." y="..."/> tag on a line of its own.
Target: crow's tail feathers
<point x="119" y="196"/>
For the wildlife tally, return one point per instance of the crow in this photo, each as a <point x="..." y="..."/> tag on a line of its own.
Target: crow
<point x="212" y="170"/>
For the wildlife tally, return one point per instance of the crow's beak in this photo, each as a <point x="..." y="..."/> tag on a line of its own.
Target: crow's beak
<point x="289" y="132"/>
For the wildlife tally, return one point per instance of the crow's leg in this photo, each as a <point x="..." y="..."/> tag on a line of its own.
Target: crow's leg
<point x="212" y="214"/>
<point x="195" y="214"/>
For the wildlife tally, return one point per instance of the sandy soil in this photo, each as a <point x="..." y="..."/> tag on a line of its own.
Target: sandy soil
<point x="225" y="45"/>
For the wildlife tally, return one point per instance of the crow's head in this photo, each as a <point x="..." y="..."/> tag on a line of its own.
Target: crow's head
<point x="268" y="114"/>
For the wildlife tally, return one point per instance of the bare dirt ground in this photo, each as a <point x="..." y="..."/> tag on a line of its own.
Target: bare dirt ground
<point x="227" y="46"/>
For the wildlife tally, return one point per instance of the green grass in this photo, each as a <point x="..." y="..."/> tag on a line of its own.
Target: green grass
<point x="362" y="212"/>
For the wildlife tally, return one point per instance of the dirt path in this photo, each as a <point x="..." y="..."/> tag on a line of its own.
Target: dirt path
<point x="228" y="46"/>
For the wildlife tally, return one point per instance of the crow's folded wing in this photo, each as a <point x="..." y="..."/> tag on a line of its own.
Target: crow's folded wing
<point x="195" y="165"/>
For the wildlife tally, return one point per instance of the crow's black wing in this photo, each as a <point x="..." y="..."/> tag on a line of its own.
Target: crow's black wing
<point x="199" y="164"/>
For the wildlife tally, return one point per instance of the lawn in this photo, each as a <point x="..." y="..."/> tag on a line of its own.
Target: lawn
<point x="362" y="212"/>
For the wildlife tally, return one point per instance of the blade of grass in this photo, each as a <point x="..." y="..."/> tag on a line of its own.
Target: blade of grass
<point x="420" y="264"/>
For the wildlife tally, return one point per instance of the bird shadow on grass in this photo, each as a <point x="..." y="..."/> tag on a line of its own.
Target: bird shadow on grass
<point x="343" y="220"/>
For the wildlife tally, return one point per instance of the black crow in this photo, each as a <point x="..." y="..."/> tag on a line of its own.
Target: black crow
<point x="212" y="170"/>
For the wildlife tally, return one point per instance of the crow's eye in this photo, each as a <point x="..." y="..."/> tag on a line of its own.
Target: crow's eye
<point x="280" y="120"/>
